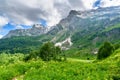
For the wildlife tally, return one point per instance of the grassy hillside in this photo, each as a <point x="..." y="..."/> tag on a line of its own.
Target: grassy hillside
<point x="94" y="38"/>
<point x="112" y="27"/>
<point x="22" y="44"/>
<point x="13" y="67"/>
<point x="82" y="39"/>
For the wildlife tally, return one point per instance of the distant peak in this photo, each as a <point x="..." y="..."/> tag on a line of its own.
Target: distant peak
<point x="73" y="12"/>
<point x="37" y="26"/>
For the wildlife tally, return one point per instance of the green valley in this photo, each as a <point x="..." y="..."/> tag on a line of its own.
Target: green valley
<point x="12" y="67"/>
<point x="83" y="46"/>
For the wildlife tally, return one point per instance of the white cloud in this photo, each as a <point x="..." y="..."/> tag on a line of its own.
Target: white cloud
<point x="1" y="36"/>
<point x="19" y="27"/>
<point x="108" y="3"/>
<point x="3" y="21"/>
<point x="88" y="4"/>
<point x="28" y="12"/>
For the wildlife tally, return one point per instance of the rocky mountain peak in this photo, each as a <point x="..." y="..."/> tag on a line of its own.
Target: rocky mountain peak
<point x="36" y="30"/>
<point x="96" y="19"/>
<point x="73" y="12"/>
<point x="37" y="26"/>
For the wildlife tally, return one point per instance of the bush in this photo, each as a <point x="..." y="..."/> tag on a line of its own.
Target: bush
<point x="32" y="55"/>
<point x="117" y="46"/>
<point x="105" y="50"/>
<point x="49" y="52"/>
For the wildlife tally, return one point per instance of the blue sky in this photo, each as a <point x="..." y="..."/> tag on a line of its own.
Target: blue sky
<point x="97" y="3"/>
<point x="10" y="26"/>
<point x="22" y="14"/>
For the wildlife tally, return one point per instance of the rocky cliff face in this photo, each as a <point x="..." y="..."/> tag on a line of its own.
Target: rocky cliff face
<point x="83" y="24"/>
<point x="36" y="30"/>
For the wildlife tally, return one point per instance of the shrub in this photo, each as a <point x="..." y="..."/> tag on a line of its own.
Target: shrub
<point x="105" y="50"/>
<point x="117" y="46"/>
<point x="49" y="52"/>
<point x="32" y="55"/>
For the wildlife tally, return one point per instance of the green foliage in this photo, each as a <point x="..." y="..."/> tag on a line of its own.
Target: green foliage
<point x="80" y="54"/>
<point x="112" y="27"/>
<point x="22" y="44"/>
<point x="19" y="44"/>
<point x="32" y="55"/>
<point x="75" y="69"/>
<point x="49" y="52"/>
<point x="105" y="50"/>
<point x="10" y="58"/>
<point x="117" y="46"/>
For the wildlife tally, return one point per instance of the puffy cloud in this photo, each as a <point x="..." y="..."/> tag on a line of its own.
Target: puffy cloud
<point x="19" y="27"/>
<point x="50" y="12"/>
<point x="89" y="3"/>
<point x="29" y="12"/>
<point x="1" y="36"/>
<point x="108" y="3"/>
<point x="3" y="21"/>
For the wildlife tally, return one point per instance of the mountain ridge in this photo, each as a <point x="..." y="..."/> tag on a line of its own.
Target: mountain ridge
<point x="85" y="29"/>
<point x="65" y="22"/>
<point x="36" y="30"/>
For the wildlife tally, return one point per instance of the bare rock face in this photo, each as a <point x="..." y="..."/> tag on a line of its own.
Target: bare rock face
<point x="36" y="30"/>
<point x="79" y="24"/>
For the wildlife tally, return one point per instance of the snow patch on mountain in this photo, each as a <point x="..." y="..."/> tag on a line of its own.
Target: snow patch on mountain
<point x="65" y="43"/>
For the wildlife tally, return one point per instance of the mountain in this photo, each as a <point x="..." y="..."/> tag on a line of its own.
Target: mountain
<point x="36" y="30"/>
<point x="89" y="27"/>
<point x="80" y="29"/>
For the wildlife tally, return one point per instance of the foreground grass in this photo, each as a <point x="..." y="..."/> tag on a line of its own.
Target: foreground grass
<point x="79" y="60"/>
<point x="72" y="69"/>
